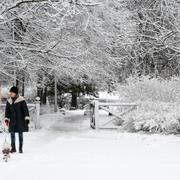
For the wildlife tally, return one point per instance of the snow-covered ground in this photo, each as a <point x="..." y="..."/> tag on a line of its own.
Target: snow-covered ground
<point x="67" y="149"/>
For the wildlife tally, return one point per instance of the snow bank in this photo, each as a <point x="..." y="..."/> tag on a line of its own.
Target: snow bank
<point x="158" y="105"/>
<point x="72" y="121"/>
<point x="106" y="95"/>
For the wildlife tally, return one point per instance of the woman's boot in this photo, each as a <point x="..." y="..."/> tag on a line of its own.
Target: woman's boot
<point x="21" y="143"/>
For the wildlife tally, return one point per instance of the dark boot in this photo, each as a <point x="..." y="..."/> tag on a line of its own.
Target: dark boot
<point x="13" y="148"/>
<point x="21" y="143"/>
<point x="20" y="148"/>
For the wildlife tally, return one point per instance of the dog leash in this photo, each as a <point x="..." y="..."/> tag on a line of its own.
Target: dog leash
<point x="5" y="131"/>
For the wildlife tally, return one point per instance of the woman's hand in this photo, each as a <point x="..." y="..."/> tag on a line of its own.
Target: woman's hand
<point x="6" y="122"/>
<point x="27" y="121"/>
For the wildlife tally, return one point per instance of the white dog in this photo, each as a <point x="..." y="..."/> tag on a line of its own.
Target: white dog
<point x="6" y="147"/>
<point x="6" y="150"/>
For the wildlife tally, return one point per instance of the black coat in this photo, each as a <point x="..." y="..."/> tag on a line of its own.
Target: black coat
<point x="17" y="113"/>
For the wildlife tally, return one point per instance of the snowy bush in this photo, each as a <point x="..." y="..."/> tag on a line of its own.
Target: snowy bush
<point x="154" y="117"/>
<point x="153" y="89"/>
<point x="158" y="105"/>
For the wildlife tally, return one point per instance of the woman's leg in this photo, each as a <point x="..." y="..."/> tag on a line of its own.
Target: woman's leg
<point x="13" y="142"/>
<point x="21" y="142"/>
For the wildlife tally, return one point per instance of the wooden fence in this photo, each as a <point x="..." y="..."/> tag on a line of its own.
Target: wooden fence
<point x="99" y="122"/>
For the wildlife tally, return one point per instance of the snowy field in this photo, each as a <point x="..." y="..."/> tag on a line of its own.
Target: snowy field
<point x="66" y="149"/>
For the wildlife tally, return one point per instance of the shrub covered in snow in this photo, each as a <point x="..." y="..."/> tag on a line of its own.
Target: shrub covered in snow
<point x="158" y="105"/>
<point x="154" y="117"/>
<point x="153" y="89"/>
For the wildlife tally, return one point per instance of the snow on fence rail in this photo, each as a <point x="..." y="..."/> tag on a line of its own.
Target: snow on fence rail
<point x="32" y="107"/>
<point x="98" y="122"/>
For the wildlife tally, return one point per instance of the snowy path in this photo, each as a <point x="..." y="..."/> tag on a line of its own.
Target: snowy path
<point x="67" y="149"/>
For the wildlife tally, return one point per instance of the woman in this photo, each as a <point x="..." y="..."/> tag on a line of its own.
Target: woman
<point x="16" y="118"/>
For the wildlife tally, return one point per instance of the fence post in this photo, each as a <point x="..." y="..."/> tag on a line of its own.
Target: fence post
<point x="37" y="121"/>
<point x="96" y="114"/>
<point x="92" y="123"/>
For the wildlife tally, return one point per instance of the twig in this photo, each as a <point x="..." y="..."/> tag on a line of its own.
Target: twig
<point x="21" y="2"/>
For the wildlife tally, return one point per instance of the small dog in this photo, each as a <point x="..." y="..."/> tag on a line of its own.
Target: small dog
<point x="6" y="150"/>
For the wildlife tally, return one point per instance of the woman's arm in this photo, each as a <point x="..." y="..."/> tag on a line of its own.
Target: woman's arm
<point x="25" y="110"/>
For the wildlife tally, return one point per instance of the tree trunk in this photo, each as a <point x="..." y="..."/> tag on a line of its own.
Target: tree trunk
<point x="23" y="85"/>
<point x="17" y="83"/>
<point x="40" y="93"/>
<point x="44" y="95"/>
<point x="74" y="101"/>
<point x="55" y="94"/>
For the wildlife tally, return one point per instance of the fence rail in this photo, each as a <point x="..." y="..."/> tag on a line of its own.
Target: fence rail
<point x="95" y="118"/>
